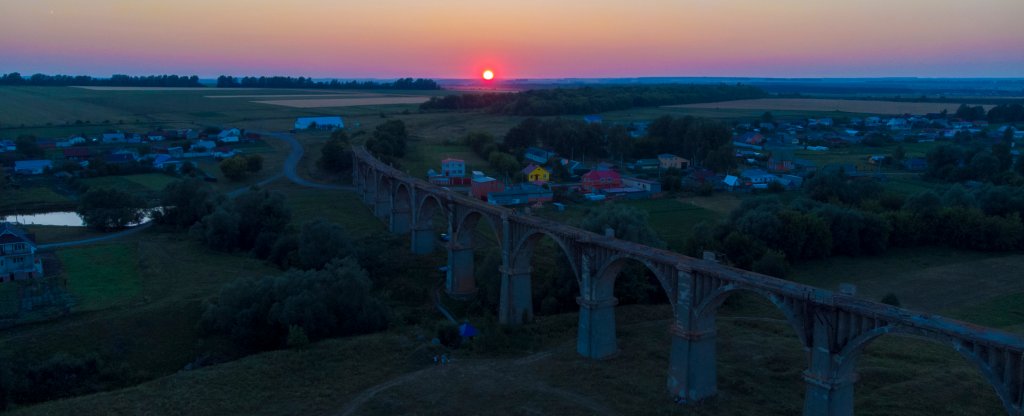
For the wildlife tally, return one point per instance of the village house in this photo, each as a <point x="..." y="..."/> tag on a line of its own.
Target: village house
<point x="117" y="137"/>
<point x="32" y="167"/>
<point x="670" y="161"/>
<point x="597" y="180"/>
<point x="452" y="167"/>
<point x="7" y="146"/>
<point x="593" y="119"/>
<point x="536" y="175"/>
<point x="520" y="195"/>
<point x="320" y="123"/>
<point x="223" y="152"/>
<point x="757" y="178"/>
<point x="77" y="154"/>
<point x="647" y="185"/>
<point x="781" y="162"/>
<point x="483" y="185"/>
<point x="645" y="165"/>
<point x="538" y="155"/>
<point x="18" y="259"/>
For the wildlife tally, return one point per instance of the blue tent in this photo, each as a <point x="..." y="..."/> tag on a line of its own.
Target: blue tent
<point x="468" y="331"/>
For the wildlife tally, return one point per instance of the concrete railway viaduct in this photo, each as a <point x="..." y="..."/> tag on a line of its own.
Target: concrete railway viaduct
<point x="834" y="328"/>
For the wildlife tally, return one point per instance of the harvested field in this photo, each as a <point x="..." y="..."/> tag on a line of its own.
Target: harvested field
<point x="324" y="95"/>
<point x="846" y="106"/>
<point x="149" y="88"/>
<point x="346" y="102"/>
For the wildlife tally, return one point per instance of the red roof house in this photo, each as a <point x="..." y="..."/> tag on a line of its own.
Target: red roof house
<point x="596" y="180"/>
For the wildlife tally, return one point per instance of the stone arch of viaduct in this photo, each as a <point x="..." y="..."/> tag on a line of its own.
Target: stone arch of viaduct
<point x="833" y="328"/>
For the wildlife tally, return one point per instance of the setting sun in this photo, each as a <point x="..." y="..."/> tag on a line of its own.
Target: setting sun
<point x="488" y="75"/>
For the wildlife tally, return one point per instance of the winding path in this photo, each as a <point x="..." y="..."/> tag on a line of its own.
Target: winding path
<point x="291" y="163"/>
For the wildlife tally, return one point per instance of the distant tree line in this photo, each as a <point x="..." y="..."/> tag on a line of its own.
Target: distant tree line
<point x="43" y="80"/>
<point x="227" y="81"/>
<point x="586" y="100"/>
<point x="1002" y="113"/>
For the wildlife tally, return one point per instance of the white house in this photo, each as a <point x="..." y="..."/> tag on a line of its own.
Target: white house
<point x="18" y="259"/>
<point x="32" y="167"/>
<point x="452" y="167"/>
<point x="322" y="123"/>
<point x="7" y="146"/>
<point x="232" y="132"/>
<point x="113" y="137"/>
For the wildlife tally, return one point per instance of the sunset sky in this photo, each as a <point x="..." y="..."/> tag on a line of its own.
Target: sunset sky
<point x="518" y="39"/>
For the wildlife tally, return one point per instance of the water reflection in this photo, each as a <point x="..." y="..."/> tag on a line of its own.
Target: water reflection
<point x="61" y="218"/>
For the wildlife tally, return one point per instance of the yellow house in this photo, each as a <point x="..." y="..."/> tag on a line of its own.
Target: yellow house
<point x="670" y="161"/>
<point x="536" y="175"/>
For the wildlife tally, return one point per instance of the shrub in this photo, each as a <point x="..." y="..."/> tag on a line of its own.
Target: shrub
<point x="259" y="313"/>
<point x="891" y="299"/>
<point x="297" y="337"/>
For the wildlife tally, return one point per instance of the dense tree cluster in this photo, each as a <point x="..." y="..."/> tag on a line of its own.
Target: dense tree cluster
<point x="108" y="209"/>
<point x="42" y="80"/>
<point x="335" y="156"/>
<point x="973" y="161"/>
<point x="226" y="81"/>
<point x="237" y="168"/>
<point x="24" y="382"/>
<point x="334" y="301"/>
<point x="850" y="217"/>
<point x="1006" y="113"/>
<point x="388" y="142"/>
<point x="585" y="100"/>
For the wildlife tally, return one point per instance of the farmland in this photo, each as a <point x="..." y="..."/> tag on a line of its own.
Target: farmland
<point x="837" y="105"/>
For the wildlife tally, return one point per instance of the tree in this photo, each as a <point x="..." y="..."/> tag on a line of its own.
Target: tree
<point x="523" y="135"/>
<point x="234" y="168"/>
<point x="505" y="164"/>
<point x="628" y="223"/>
<point x="389" y="140"/>
<point x="335" y="157"/>
<point x="219" y="230"/>
<point x="767" y="117"/>
<point x="320" y="242"/>
<point x="185" y="202"/>
<point x="27" y="146"/>
<point x="899" y="154"/>
<point x="107" y="209"/>
<point x="253" y="163"/>
<point x="259" y="313"/>
<point x="261" y="213"/>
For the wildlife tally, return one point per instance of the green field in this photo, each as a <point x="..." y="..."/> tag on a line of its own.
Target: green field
<point x="143" y="183"/>
<point x="101" y="276"/>
<point x="344" y="208"/>
<point x="33" y="199"/>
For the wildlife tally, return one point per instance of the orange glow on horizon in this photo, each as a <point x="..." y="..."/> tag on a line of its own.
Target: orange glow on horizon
<point x="488" y="75"/>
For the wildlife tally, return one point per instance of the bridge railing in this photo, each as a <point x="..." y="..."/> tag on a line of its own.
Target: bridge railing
<point x="806" y="293"/>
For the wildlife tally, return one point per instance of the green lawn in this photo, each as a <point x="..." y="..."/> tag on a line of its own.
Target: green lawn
<point x="33" y="199"/>
<point x="101" y="276"/>
<point x="341" y="207"/>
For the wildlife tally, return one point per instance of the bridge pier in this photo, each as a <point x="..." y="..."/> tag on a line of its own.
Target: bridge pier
<point x="460" y="282"/>
<point x="370" y="194"/>
<point x="400" y="219"/>
<point x="692" y="370"/>
<point x="596" y="332"/>
<point x="382" y="207"/>
<point x="515" y="306"/>
<point x="829" y="383"/>
<point x="423" y="240"/>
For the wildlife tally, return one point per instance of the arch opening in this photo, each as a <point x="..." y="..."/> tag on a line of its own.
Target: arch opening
<point x="910" y="372"/>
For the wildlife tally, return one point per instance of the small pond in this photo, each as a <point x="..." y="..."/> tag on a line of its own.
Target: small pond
<point x="61" y="218"/>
